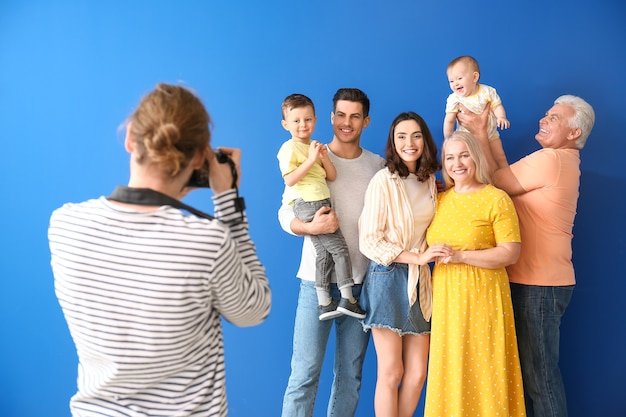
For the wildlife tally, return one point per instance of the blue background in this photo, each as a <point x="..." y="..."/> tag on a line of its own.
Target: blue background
<point x="72" y="71"/>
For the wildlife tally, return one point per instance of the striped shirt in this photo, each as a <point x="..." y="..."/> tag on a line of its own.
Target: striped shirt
<point x="143" y="293"/>
<point x="395" y="216"/>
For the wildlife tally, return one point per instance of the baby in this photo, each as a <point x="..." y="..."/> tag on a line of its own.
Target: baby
<point x="463" y="73"/>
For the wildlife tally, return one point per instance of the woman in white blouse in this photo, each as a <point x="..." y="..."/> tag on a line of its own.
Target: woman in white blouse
<point x="399" y="205"/>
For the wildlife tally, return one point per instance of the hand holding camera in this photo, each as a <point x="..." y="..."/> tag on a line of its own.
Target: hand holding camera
<point x="220" y="170"/>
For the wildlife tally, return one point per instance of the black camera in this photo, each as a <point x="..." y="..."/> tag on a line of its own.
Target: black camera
<point x="200" y="177"/>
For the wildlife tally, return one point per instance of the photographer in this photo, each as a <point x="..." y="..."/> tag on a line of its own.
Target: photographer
<point x="143" y="285"/>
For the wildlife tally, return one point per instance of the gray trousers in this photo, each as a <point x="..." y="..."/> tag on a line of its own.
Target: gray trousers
<point x="331" y="249"/>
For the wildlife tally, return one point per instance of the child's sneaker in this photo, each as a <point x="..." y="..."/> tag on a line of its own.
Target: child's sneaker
<point x="351" y="309"/>
<point x="329" y="311"/>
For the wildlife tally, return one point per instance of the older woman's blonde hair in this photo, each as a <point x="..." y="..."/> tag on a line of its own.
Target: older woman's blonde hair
<point x="482" y="174"/>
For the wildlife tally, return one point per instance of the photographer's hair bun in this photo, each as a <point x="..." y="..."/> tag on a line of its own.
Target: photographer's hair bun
<point x="169" y="127"/>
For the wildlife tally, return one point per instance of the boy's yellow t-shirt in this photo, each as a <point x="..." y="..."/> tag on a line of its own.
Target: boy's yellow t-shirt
<point x="313" y="186"/>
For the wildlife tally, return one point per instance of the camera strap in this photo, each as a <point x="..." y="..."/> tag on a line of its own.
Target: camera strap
<point x="149" y="197"/>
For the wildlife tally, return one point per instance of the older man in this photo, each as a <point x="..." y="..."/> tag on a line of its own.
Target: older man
<point x="544" y="187"/>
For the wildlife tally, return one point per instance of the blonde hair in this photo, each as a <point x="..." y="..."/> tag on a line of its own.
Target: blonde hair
<point x="482" y="174"/>
<point x="169" y="127"/>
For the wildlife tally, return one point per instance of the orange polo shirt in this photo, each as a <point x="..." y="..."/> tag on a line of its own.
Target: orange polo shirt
<point x="551" y="178"/>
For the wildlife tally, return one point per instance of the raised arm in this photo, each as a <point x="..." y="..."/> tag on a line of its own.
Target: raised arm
<point x="301" y="171"/>
<point x="476" y="124"/>
<point x="448" y="124"/>
<point x="502" y="121"/>
<point x="329" y="167"/>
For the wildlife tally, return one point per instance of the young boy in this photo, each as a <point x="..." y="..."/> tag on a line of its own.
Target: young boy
<point x="463" y="74"/>
<point x="305" y="166"/>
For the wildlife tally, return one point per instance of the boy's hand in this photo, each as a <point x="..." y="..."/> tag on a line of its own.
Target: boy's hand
<point x="503" y="123"/>
<point x="323" y="151"/>
<point x="314" y="150"/>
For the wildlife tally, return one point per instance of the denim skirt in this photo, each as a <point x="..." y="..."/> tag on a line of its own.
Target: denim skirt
<point x="386" y="303"/>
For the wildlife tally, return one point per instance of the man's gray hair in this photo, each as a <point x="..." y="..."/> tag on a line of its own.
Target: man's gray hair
<point x="583" y="119"/>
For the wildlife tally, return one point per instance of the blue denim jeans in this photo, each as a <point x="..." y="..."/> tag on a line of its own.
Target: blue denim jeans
<point x="331" y="249"/>
<point x="310" y="337"/>
<point x="384" y="298"/>
<point x="538" y="311"/>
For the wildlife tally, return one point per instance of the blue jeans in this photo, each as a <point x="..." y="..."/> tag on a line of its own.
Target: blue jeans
<point x="538" y="311"/>
<point x="310" y="337"/>
<point x="331" y="248"/>
<point x="384" y="298"/>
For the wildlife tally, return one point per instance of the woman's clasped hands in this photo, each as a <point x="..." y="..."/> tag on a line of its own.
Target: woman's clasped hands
<point x="439" y="253"/>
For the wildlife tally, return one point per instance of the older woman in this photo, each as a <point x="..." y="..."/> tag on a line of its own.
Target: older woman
<point x="474" y="366"/>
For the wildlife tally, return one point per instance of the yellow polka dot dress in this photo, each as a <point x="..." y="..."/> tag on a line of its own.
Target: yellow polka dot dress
<point x="474" y="366"/>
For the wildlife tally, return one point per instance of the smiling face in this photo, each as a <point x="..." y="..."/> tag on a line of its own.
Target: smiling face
<point x="300" y="122"/>
<point x="458" y="163"/>
<point x="463" y="79"/>
<point x="348" y="121"/>
<point x="554" y="131"/>
<point x="409" y="143"/>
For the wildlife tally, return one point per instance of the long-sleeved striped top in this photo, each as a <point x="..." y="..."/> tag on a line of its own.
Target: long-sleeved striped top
<point x="390" y="224"/>
<point x="142" y="293"/>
